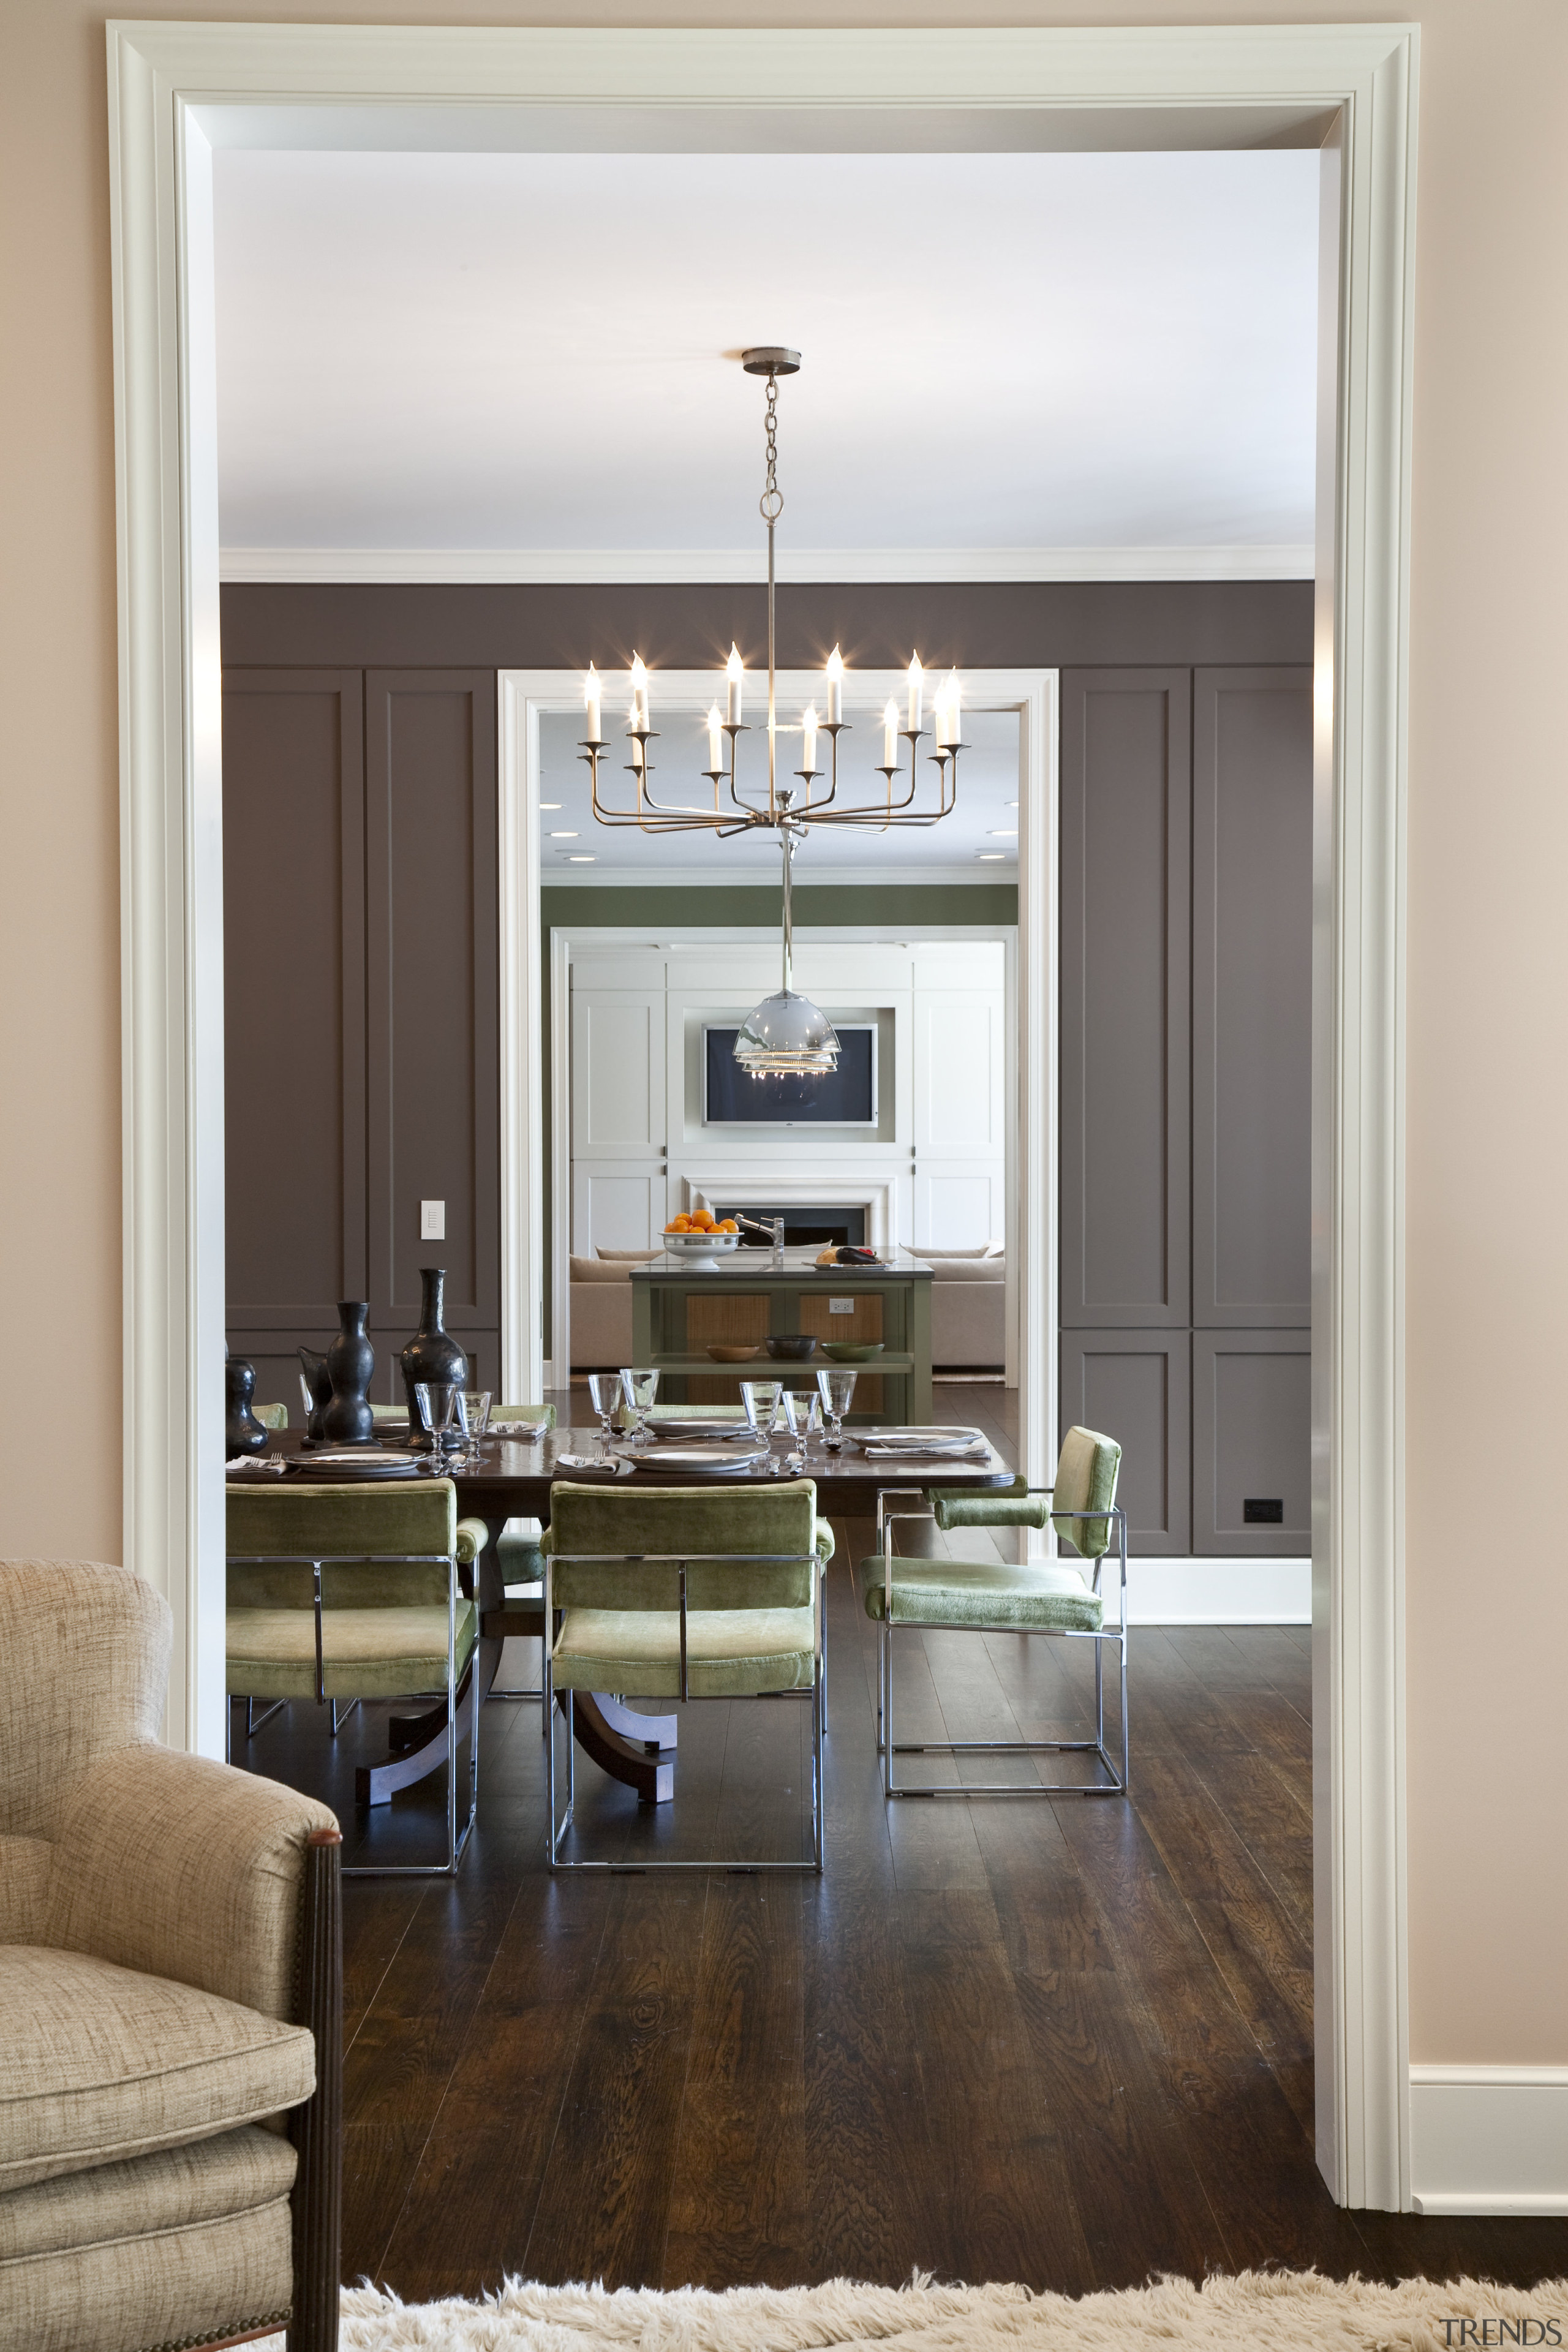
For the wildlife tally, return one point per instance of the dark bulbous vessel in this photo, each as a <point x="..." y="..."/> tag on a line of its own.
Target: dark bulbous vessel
<point x="318" y="1380"/>
<point x="351" y="1362"/>
<point x="242" y="1433"/>
<point x="432" y="1354"/>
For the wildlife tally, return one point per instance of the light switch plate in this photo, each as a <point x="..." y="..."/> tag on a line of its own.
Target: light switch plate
<point x="841" y="1306"/>
<point x="432" y="1220"/>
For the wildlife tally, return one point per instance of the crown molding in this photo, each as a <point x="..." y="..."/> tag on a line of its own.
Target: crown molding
<point x="668" y="567"/>
<point x="857" y="877"/>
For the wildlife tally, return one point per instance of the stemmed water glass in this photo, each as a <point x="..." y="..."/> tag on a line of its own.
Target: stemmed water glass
<point x="638" y="1387"/>
<point x="436" y="1405"/>
<point x="761" y="1399"/>
<point x="803" y="1412"/>
<point x="836" y="1389"/>
<point x="476" y="1417"/>
<point x="605" y="1392"/>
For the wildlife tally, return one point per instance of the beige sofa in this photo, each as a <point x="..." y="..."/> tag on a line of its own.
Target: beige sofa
<point x="170" y="1981"/>
<point x="968" y="1309"/>
<point x="602" y="1308"/>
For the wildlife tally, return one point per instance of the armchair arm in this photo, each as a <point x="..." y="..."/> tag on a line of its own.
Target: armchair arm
<point x="187" y="1869"/>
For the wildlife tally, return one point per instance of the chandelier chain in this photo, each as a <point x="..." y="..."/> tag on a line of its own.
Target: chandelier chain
<point x="770" y="505"/>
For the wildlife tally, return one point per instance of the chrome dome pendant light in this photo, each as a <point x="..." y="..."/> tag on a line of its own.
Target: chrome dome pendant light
<point x="785" y="1035"/>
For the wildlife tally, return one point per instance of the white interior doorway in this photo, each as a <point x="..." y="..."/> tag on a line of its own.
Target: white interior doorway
<point x="174" y="90"/>
<point x="529" y="697"/>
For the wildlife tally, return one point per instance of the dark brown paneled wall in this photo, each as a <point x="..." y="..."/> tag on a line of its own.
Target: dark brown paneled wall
<point x="362" y="981"/>
<point x="1026" y="626"/>
<point x="1186" y="1094"/>
<point x="360" y="896"/>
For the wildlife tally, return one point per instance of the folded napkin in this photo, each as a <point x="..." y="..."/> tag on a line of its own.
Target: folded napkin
<point x="927" y="1450"/>
<point x="515" y="1429"/>
<point x="594" y="1465"/>
<point x="257" y="1465"/>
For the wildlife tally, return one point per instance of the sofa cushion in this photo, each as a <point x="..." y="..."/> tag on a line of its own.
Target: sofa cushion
<point x="98" y="2064"/>
<point x="629" y="1257"/>
<point x="984" y="1249"/>
<point x="181" y="2247"/>
<point x="169" y="2190"/>
<point x="599" y="1269"/>
<point x="968" y="1269"/>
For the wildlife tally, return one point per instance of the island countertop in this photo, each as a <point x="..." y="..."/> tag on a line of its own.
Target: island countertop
<point x="753" y="1265"/>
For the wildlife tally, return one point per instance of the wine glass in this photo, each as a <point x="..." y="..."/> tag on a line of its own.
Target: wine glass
<point x="836" y="1389"/>
<point x="801" y="1411"/>
<point x="639" y="1386"/>
<point x="761" y="1399"/>
<point x="605" y="1392"/>
<point x="436" y="1401"/>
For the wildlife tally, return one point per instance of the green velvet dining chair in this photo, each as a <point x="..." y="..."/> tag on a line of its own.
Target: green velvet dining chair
<point x="686" y="1594"/>
<point x="355" y="1591"/>
<point x="990" y="1596"/>
<point x="272" y="1416"/>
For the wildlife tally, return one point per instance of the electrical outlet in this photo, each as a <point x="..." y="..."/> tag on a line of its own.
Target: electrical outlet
<point x="432" y="1220"/>
<point x="841" y="1306"/>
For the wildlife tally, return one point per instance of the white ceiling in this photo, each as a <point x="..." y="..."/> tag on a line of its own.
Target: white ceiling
<point x="977" y="843"/>
<point x="523" y="365"/>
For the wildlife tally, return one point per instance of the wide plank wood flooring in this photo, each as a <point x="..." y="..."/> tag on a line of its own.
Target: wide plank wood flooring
<point x="1066" y="2042"/>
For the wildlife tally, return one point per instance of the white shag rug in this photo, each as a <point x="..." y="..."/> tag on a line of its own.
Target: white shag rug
<point x="1257" y="2310"/>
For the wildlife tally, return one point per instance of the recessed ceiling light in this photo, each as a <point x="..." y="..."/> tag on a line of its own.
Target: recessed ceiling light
<point x="1011" y="803"/>
<point x="550" y="804"/>
<point x="581" y="861"/>
<point x="1003" y="832"/>
<point x="563" y="837"/>
<point x="987" y="857"/>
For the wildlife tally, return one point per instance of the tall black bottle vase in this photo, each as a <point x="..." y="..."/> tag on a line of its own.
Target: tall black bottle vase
<point x="351" y="1361"/>
<point x="432" y="1354"/>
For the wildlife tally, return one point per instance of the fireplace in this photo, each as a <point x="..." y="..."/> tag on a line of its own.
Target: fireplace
<point x="806" y="1226"/>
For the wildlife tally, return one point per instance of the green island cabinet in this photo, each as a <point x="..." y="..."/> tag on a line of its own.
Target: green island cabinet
<point x="770" y="1300"/>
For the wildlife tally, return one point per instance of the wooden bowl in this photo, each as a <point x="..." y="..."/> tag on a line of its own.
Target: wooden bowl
<point x="735" y="1355"/>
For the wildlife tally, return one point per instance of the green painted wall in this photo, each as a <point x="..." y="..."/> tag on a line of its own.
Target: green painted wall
<point x="918" y="906"/>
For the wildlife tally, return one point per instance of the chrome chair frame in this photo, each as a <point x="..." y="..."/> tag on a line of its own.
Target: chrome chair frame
<point x="887" y="1748"/>
<point x="315" y="1562"/>
<point x="686" y="1697"/>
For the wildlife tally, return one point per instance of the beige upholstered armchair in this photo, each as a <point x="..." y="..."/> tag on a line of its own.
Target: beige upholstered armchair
<point x="170" y="2002"/>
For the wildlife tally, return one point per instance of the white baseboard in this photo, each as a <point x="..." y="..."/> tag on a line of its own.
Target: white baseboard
<point x="1214" y="1591"/>
<point x="1489" y="2139"/>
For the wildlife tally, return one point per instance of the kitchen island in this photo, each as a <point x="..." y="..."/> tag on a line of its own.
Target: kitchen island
<point x="679" y="1313"/>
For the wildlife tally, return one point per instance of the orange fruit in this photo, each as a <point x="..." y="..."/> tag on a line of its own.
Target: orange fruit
<point x="703" y="1220"/>
<point x="728" y="1226"/>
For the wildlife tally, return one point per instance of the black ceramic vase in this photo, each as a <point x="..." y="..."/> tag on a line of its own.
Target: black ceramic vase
<point x="318" y="1380"/>
<point x="351" y="1361"/>
<point x="432" y="1354"/>
<point x="242" y="1433"/>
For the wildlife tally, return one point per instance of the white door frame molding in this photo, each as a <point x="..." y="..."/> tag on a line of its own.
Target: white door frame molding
<point x="525" y="697"/>
<point x="175" y="88"/>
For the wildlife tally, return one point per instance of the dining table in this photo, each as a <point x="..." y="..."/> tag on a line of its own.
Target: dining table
<point x="509" y="1477"/>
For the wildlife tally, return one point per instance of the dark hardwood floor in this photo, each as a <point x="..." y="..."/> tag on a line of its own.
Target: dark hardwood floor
<point x="1065" y="2041"/>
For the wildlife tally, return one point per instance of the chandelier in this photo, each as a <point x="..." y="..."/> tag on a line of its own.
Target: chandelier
<point x="785" y="1035"/>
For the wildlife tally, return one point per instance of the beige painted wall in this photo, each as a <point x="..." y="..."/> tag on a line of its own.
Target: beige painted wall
<point x="1487" y="1296"/>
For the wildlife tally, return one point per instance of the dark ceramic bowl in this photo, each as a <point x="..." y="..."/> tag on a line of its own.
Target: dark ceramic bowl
<point x="791" y="1347"/>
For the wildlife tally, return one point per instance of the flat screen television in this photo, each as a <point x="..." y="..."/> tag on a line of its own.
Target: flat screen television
<point x="731" y="1097"/>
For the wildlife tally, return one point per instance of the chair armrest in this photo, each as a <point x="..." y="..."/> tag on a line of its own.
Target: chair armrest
<point x="472" y="1536"/>
<point x="187" y="1869"/>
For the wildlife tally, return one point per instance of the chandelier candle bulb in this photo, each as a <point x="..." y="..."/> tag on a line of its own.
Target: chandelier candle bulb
<point x="590" y="696"/>
<point x="715" y="756"/>
<point x="808" y="733"/>
<point x="917" y="682"/>
<point x="834" y="688"/>
<point x="639" y="692"/>
<point x="734" y="671"/>
<point x="890" y="733"/>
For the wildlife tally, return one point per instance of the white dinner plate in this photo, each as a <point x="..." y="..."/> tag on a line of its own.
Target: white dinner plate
<point x="711" y="1461"/>
<point x="917" y="1441"/>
